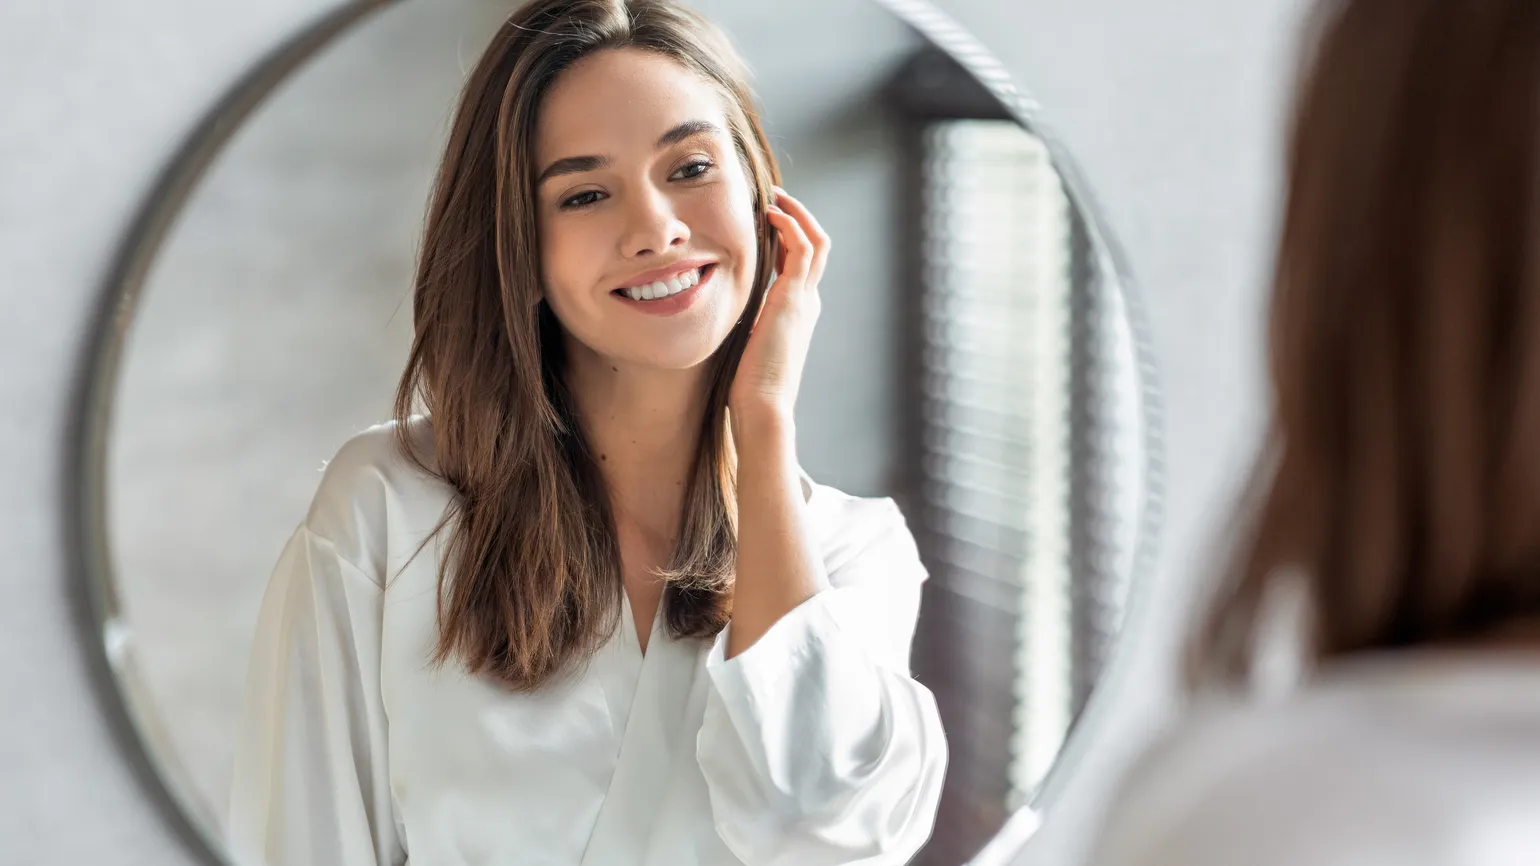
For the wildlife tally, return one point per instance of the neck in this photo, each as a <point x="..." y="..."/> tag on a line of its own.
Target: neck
<point x="643" y="426"/>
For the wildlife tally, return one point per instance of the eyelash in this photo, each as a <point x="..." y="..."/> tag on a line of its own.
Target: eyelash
<point x="705" y="166"/>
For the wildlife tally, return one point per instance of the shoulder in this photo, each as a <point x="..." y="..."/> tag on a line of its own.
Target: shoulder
<point x="851" y="528"/>
<point x="373" y="487"/>
<point x="1228" y="784"/>
<point x="1366" y="765"/>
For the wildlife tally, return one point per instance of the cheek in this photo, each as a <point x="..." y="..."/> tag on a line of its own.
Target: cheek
<point x="731" y="217"/>
<point x="563" y="267"/>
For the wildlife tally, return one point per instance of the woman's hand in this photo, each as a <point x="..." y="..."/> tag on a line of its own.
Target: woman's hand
<point x="764" y="390"/>
<point x="778" y="567"/>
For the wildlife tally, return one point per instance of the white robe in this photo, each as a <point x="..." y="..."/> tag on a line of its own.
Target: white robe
<point x="813" y="746"/>
<point x="1401" y="758"/>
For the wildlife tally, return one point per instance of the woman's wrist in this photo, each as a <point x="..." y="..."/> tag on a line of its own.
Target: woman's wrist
<point x="763" y="431"/>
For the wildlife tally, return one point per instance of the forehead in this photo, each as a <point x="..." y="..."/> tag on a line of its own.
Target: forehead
<point x="622" y="99"/>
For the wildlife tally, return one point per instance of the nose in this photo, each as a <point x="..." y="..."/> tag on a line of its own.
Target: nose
<point x="652" y="226"/>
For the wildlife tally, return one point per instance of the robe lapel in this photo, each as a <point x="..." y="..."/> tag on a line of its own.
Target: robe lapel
<point x="618" y="667"/>
<point x="652" y="740"/>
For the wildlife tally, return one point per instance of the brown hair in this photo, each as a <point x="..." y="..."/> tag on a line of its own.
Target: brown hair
<point x="530" y="577"/>
<point x="1401" y="481"/>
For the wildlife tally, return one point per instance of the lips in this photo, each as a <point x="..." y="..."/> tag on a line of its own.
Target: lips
<point x="663" y="282"/>
<point x="692" y="283"/>
<point x="659" y="289"/>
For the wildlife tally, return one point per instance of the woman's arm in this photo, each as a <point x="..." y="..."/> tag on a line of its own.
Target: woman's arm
<point x="311" y="784"/>
<point x="817" y="746"/>
<point x="777" y="566"/>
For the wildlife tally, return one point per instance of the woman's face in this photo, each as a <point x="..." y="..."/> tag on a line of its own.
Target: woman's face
<point x="645" y="211"/>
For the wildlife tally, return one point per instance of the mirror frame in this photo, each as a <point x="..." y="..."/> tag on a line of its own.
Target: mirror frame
<point x="95" y="604"/>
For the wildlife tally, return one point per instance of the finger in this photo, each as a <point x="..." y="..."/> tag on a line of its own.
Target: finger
<point x="811" y="227"/>
<point x="780" y="251"/>
<point x="785" y="243"/>
<point x="797" y="249"/>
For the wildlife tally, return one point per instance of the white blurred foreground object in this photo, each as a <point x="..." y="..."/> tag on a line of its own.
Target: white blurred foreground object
<point x="1411" y="759"/>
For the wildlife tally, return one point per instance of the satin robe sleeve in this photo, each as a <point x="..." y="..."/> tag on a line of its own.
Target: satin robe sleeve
<point x="311" y="786"/>
<point x="817" y="746"/>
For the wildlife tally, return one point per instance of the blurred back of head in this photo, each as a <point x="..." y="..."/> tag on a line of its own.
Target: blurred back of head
<point x="1401" y="479"/>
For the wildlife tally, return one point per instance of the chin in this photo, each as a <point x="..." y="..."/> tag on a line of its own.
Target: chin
<point x="677" y="359"/>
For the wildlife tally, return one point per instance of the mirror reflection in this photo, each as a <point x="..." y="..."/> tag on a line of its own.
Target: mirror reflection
<point x="456" y="502"/>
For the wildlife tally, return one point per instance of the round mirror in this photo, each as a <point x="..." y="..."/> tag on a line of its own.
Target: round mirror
<point x="978" y="360"/>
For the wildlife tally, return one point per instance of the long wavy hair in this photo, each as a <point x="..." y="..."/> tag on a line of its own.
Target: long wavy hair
<point x="1401" y="483"/>
<point x="529" y="580"/>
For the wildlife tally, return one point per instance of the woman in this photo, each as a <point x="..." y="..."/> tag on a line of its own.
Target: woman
<point x="1400" y="495"/>
<point x="586" y="609"/>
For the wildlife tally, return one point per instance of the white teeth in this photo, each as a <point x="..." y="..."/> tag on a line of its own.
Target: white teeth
<point x="662" y="289"/>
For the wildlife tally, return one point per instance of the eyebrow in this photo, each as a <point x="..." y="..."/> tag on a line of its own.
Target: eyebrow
<point x="579" y="164"/>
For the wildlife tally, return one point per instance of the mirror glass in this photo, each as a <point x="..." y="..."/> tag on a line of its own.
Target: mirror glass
<point x="974" y="361"/>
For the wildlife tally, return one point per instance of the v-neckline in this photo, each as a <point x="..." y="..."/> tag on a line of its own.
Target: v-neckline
<point x="633" y="633"/>
<point x="650" y="694"/>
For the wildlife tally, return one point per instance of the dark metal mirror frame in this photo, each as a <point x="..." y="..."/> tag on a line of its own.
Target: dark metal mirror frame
<point x="104" y="640"/>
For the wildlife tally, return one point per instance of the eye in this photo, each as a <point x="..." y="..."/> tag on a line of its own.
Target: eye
<point x="582" y="199"/>
<point x="693" y="170"/>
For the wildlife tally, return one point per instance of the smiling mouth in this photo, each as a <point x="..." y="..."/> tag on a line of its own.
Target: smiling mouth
<point x="656" y="291"/>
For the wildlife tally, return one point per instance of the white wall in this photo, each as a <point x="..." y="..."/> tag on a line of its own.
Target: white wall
<point x="1171" y="109"/>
